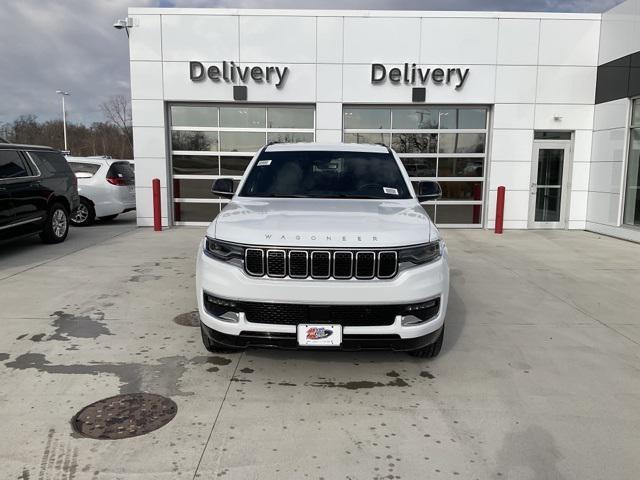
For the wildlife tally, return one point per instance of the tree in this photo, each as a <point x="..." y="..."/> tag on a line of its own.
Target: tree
<point x="117" y="110"/>
<point x="100" y="138"/>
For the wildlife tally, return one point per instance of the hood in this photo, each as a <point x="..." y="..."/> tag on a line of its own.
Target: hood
<point x="323" y="223"/>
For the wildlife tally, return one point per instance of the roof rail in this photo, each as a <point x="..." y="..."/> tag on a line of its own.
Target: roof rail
<point x="384" y="145"/>
<point x="267" y="145"/>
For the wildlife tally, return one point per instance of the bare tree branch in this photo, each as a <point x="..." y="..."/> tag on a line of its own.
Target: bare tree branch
<point x="117" y="110"/>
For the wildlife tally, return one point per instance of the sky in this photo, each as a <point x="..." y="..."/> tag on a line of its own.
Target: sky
<point x="49" y="45"/>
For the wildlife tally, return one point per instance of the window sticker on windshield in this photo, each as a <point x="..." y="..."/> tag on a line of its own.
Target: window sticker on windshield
<point x="390" y="191"/>
<point x="264" y="163"/>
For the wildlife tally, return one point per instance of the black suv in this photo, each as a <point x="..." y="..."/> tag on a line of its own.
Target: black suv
<point x="38" y="192"/>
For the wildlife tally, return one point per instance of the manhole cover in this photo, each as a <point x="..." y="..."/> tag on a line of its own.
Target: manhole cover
<point x="189" y="319"/>
<point x="124" y="416"/>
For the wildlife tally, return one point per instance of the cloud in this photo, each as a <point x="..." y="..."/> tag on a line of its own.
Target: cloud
<point x="67" y="45"/>
<point x="71" y="45"/>
<point x="482" y="5"/>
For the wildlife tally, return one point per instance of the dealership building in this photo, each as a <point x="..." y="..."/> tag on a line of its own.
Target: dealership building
<point x="545" y="104"/>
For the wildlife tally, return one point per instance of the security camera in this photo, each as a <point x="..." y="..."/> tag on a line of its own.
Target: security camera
<point x="123" y="23"/>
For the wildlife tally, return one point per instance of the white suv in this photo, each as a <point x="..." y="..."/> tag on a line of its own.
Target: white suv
<point x="324" y="246"/>
<point x="106" y="188"/>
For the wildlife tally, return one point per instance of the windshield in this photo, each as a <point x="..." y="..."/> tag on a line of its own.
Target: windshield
<point x="315" y="174"/>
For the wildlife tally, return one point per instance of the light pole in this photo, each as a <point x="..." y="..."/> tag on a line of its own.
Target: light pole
<point x="63" y="94"/>
<point x="440" y="115"/>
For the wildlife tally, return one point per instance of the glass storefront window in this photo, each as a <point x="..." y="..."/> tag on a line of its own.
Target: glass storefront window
<point x="243" y="117"/>
<point x="282" y="117"/>
<point x="195" y="212"/>
<point x="192" y="188"/>
<point x="198" y="130"/>
<point x="195" y="165"/>
<point x="194" y="141"/>
<point x="460" y="167"/>
<point x="415" y="118"/>
<point x="371" y="118"/>
<point x="289" y="137"/>
<point x="194" y="116"/>
<point x="234" y="165"/>
<point x="459" y="214"/>
<point x="367" y="138"/>
<point x="462" y="142"/>
<point x="414" y="142"/>
<point x="632" y="191"/>
<point x="635" y="118"/>
<point x="444" y="143"/>
<point x="472" y="118"/>
<point x="461" y="190"/>
<point x="241" y="141"/>
<point x="420" y="167"/>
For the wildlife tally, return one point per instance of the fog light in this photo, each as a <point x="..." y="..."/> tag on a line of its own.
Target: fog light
<point x="421" y="306"/>
<point x="224" y="310"/>
<point x="411" y="320"/>
<point x="220" y="301"/>
<point x="231" y="317"/>
<point x="420" y="312"/>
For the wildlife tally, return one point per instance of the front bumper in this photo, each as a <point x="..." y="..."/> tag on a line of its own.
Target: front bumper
<point x="288" y="341"/>
<point x="411" y="286"/>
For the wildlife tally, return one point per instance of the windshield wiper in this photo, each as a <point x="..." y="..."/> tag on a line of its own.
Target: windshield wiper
<point x="279" y="195"/>
<point x="357" y="197"/>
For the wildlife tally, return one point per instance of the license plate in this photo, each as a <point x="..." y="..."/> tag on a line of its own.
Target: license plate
<point x="319" y="335"/>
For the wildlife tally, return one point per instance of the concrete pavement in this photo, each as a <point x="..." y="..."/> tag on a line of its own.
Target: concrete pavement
<point x="538" y="378"/>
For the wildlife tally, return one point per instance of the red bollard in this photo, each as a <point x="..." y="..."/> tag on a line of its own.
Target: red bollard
<point x="157" y="212"/>
<point x="500" y="210"/>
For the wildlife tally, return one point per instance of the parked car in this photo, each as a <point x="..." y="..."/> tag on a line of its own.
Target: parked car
<point x="38" y="192"/>
<point x="106" y="188"/>
<point x="324" y="246"/>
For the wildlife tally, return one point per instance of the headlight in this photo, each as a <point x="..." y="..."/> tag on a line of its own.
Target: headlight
<point x="420" y="254"/>
<point x="226" y="252"/>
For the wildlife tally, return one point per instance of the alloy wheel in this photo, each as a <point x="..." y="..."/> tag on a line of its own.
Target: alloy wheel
<point x="82" y="213"/>
<point x="59" y="223"/>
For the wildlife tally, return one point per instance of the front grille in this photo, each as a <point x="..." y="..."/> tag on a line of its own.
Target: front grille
<point x="298" y="264"/>
<point x="342" y="264"/>
<point x="387" y="264"/>
<point x="345" y="315"/>
<point x="365" y="265"/>
<point x="321" y="264"/>
<point x="276" y="263"/>
<point x="254" y="261"/>
<point x="294" y="314"/>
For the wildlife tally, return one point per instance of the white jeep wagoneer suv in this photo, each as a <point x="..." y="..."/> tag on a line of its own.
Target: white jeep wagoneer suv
<point x="324" y="246"/>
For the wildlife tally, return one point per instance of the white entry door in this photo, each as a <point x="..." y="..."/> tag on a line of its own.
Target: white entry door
<point x="550" y="184"/>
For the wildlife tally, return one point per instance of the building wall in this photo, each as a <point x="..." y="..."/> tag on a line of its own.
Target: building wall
<point x="541" y="75"/>
<point x="531" y="67"/>
<point x="619" y="36"/>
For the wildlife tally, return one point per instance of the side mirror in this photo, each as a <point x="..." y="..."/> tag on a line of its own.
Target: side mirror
<point x="223" y="187"/>
<point x="429" y="190"/>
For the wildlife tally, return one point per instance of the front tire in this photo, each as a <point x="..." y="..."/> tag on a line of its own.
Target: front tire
<point x="56" y="226"/>
<point x="430" y="351"/>
<point x="85" y="215"/>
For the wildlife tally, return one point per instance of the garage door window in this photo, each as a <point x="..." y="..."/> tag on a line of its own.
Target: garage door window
<point x="209" y="141"/>
<point x="447" y="144"/>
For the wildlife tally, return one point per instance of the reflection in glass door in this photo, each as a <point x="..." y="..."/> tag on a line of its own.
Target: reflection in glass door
<point x="549" y="186"/>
